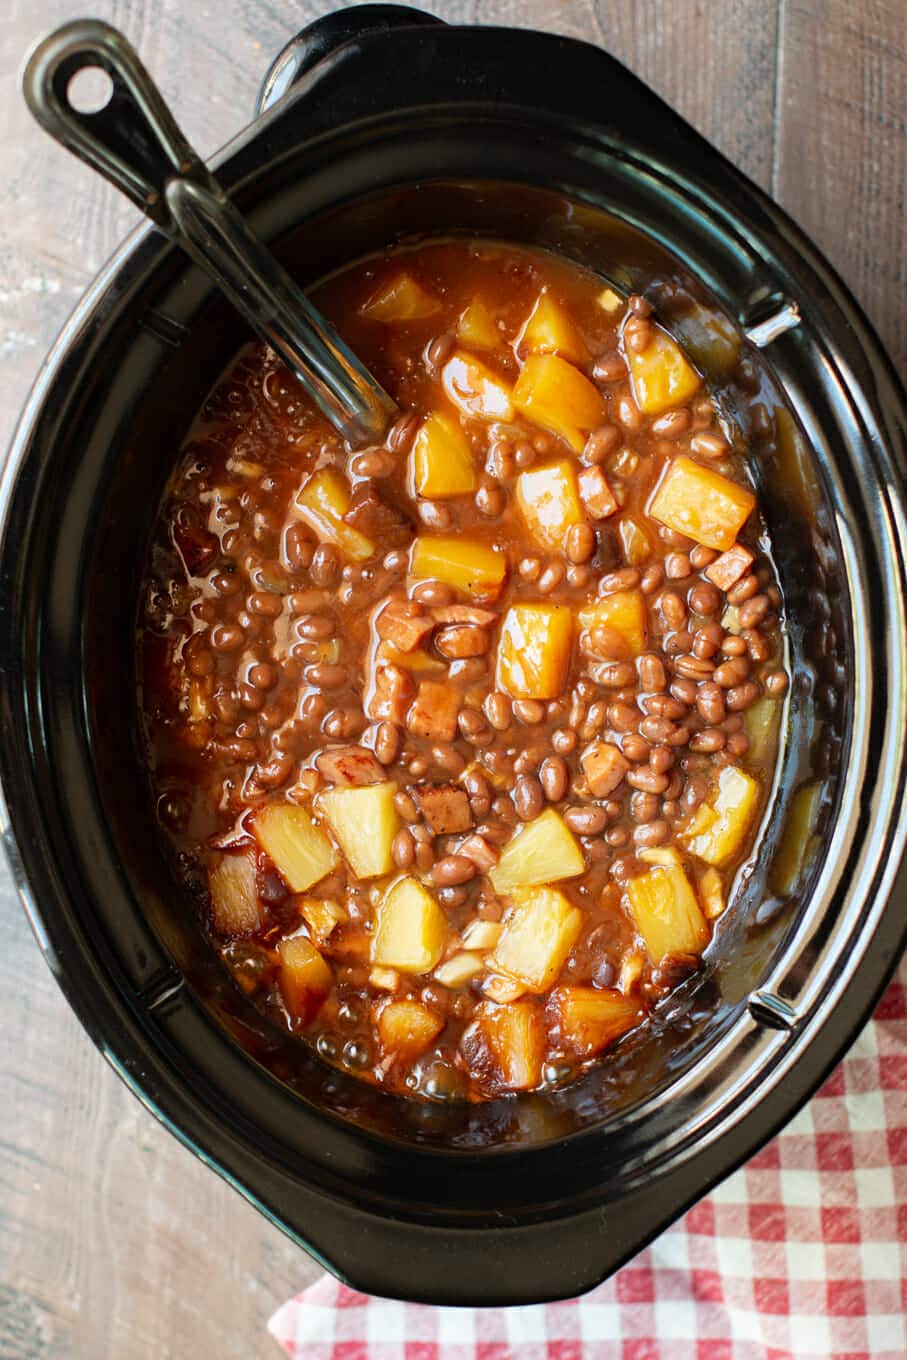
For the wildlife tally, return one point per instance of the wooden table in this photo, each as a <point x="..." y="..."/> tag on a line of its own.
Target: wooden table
<point x="114" y="1241"/>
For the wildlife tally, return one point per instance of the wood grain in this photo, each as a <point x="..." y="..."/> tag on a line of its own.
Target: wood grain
<point x="113" y="1239"/>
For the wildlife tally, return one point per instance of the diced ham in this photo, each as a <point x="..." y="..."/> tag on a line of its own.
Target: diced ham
<point x="444" y="807"/>
<point x="483" y="854"/>
<point x="595" y="493"/>
<point x="433" y="712"/>
<point x="404" y="624"/>
<point x="727" y="569"/>
<point x="349" y="765"/>
<point x="464" y="613"/>
<point x="604" y="766"/>
<point x="369" y="514"/>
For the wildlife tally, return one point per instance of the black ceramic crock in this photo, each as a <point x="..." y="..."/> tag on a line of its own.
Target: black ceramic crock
<point x="380" y="124"/>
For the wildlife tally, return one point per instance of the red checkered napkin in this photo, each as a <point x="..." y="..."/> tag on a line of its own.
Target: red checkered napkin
<point x="800" y="1255"/>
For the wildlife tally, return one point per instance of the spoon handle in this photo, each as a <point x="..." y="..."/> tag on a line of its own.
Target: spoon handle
<point x="134" y="142"/>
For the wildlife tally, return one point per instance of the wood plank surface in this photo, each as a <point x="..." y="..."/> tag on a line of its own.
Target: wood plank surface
<point x="114" y="1241"/>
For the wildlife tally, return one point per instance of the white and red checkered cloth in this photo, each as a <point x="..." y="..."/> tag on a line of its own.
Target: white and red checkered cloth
<point x="800" y="1255"/>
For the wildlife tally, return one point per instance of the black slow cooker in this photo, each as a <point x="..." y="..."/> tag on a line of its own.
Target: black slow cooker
<point x="375" y="125"/>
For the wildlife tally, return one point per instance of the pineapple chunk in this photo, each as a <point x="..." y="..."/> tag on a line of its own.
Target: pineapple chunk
<point x="460" y="969"/>
<point x="538" y="934"/>
<point x="542" y="851"/>
<point x="552" y="393"/>
<point x="299" y="850"/>
<point x="515" y="1037"/>
<point x="711" y="893"/>
<point x="365" y="821"/>
<point x="410" y="929"/>
<point x="590" y="1020"/>
<point x="760" y="722"/>
<point x="322" y="916"/>
<point x="660" y="375"/>
<point x="549" y="503"/>
<point x="710" y="337"/>
<point x="407" y="1028"/>
<point x="702" y="504"/>
<point x="798" y="843"/>
<point x="462" y="563"/>
<point x="595" y="493"/>
<point x="624" y="611"/>
<point x="635" y="541"/>
<point x="475" y="389"/>
<point x="666" y="913"/>
<point x="549" y="330"/>
<point x="417" y="660"/>
<point x="322" y="504"/>
<point x="232" y="882"/>
<point x="719" y="828"/>
<point x="609" y="301"/>
<point x="476" y="327"/>
<point x="400" y="298"/>
<point x="534" y="650"/>
<point x="482" y="934"/>
<point x="441" y="462"/>
<point x="304" y="979"/>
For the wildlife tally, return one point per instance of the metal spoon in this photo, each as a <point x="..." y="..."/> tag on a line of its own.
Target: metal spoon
<point x="135" y="143"/>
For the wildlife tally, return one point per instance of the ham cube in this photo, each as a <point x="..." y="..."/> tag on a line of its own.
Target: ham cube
<point x="595" y="493"/>
<point x="433" y="712"/>
<point x="444" y="807"/>
<point x="727" y="569"/>
<point x="604" y="766"/>
<point x="403" y="624"/>
<point x="349" y="766"/>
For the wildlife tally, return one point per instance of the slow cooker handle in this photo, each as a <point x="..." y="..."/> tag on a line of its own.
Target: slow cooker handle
<point x="135" y="143"/>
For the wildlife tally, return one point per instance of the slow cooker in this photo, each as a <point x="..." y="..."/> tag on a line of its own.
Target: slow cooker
<point x="381" y="124"/>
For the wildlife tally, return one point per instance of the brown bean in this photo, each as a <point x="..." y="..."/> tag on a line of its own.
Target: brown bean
<point x="757" y="645"/>
<point x="738" y="743"/>
<point x="503" y="808"/>
<point x="701" y="556"/>
<point x="673" y="424"/>
<point x="298" y="546"/>
<point x="551" y="577"/>
<point x="491" y="500"/>
<point x="635" y="747"/>
<point x="406" y="807"/>
<point x="776" y="683"/>
<point x="677" y="566"/>
<point x="439" y="350"/>
<point x="461" y="640"/>
<point x="316" y="627"/>
<point x="656" y="729"/>
<point x="613" y="674"/>
<point x="479" y="792"/>
<point x="403" y="849"/>
<point x="501" y="462"/>
<point x="609" y="368"/>
<point x="652" y="579"/>
<point x="741" y="696"/>
<point x="524" y="454"/>
<point x="623" y="717"/>
<point x="326" y="675"/>
<point x="470" y="721"/>
<point x="435" y="515"/>
<point x="497" y="833"/>
<point x="710" y="702"/>
<point x="617" y="836"/>
<point x="373" y="463"/>
<point x="707" y="640"/>
<point x="707" y="741"/>
<point x="263" y="675"/>
<point x="647" y="779"/>
<point x="433" y="593"/>
<point x="638" y="334"/>
<point x="629" y="414"/>
<point x="743" y="590"/>
<point x="704" y="598"/>
<point x="325" y="567"/>
<point x="580" y="542"/>
<point x="227" y="637"/>
<point x="528" y="760"/>
<point x="672" y="608"/>
<point x="554" y="776"/>
<point x="683" y="690"/>
<point x="753" y="611"/>
<point x="563" y="740"/>
<point x="693" y="667"/>
<point x="695" y="791"/>
<point x="528" y="797"/>
<point x="343" y="722"/>
<point x="601" y="444"/>
<point x="586" y="820"/>
<point x="626" y="578"/>
<point x="652" y="674"/>
<point x="710" y="445"/>
<point x="579" y="575"/>
<point x="529" y="711"/>
<point x="731" y="673"/>
<point x="734" y="646"/>
<point x="661" y="759"/>
<point x="388" y="740"/>
<point x="403" y="431"/>
<point x="644" y="807"/>
<point x="530" y="568"/>
<point x="425" y="856"/>
<point x="498" y="710"/>
<point x="664" y="706"/>
<point x="655" y="833"/>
